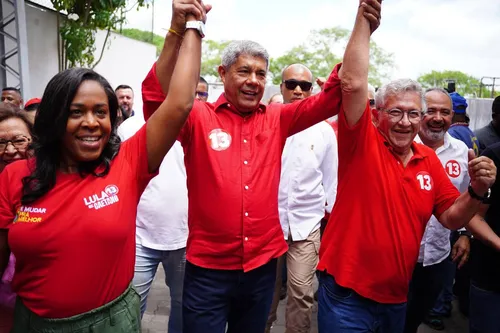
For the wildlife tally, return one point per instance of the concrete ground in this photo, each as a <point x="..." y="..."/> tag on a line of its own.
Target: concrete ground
<point x="155" y="319"/>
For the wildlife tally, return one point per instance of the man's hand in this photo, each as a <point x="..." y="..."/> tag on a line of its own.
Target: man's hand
<point x="181" y="9"/>
<point x="372" y="12"/>
<point x="461" y="250"/>
<point x="483" y="173"/>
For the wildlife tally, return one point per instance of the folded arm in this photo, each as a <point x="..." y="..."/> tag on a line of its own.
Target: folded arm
<point x="482" y="231"/>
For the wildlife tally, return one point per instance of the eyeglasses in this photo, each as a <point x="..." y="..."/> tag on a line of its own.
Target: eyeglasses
<point x="414" y="116"/>
<point x="202" y="93"/>
<point x="292" y="84"/>
<point x="20" y="143"/>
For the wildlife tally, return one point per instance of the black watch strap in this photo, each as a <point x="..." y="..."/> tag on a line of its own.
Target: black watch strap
<point x="476" y="196"/>
<point x="465" y="233"/>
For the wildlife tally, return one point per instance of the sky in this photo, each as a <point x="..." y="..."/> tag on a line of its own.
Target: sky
<point x="423" y="35"/>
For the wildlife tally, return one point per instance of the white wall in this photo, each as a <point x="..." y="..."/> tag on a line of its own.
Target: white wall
<point x="125" y="61"/>
<point x="41" y="26"/>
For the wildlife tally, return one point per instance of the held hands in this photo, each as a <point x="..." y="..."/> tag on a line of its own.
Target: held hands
<point x="372" y="12"/>
<point x="460" y="251"/>
<point x="482" y="172"/>
<point x="187" y="10"/>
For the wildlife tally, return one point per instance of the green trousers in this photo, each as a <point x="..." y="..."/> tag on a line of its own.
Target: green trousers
<point x="121" y="315"/>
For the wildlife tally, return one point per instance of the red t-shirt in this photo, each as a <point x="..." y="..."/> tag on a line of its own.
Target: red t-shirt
<point x="372" y="239"/>
<point x="75" y="246"/>
<point x="233" y="165"/>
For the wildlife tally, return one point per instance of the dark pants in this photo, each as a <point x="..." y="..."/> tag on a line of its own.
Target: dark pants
<point x="484" y="315"/>
<point x="342" y="310"/>
<point x="425" y="286"/>
<point x="120" y="315"/>
<point x="213" y="299"/>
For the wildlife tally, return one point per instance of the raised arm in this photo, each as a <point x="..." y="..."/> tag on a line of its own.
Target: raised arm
<point x="168" y="57"/>
<point x="165" y="124"/>
<point x="155" y="87"/>
<point x="354" y="71"/>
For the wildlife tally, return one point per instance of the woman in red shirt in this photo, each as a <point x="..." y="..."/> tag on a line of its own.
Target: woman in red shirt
<point x="70" y="211"/>
<point x="15" y="137"/>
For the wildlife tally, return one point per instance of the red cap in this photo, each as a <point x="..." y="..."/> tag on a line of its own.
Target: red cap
<point x="32" y="101"/>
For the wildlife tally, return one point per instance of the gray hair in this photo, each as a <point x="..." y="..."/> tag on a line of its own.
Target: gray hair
<point x="443" y="91"/>
<point x="243" y="47"/>
<point x="397" y="87"/>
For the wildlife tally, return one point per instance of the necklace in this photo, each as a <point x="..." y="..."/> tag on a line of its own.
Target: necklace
<point x="459" y="124"/>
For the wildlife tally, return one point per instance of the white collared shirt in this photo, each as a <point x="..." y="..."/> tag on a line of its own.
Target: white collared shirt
<point x="161" y="222"/>
<point x="308" y="184"/>
<point x="435" y="245"/>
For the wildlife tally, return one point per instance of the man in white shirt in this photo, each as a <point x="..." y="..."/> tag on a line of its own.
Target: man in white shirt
<point x="429" y="274"/>
<point x="307" y="189"/>
<point x="162" y="230"/>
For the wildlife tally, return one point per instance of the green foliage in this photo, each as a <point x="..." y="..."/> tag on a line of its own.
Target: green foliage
<point x="145" y="36"/>
<point x="464" y="84"/>
<point x="323" y="49"/>
<point x="84" y="18"/>
<point x="211" y="57"/>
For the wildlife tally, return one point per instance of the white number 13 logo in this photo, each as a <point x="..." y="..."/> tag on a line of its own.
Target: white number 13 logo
<point x="219" y="140"/>
<point x="425" y="181"/>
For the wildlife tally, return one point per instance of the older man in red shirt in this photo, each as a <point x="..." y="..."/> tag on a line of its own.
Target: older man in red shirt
<point x="233" y="154"/>
<point x="388" y="188"/>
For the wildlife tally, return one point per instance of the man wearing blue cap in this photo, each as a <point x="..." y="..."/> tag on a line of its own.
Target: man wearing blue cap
<point x="460" y="124"/>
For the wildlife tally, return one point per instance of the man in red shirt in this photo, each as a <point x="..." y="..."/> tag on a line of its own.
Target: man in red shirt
<point x="388" y="189"/>
<point x="233" y="157"/>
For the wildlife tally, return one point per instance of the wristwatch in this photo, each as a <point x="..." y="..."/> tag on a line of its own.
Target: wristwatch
<point x="464" y="233"/>
<point x="476" y="196"/>
<point x="197" y="25"/>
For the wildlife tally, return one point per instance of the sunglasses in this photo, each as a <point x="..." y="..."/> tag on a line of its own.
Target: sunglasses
<point x="202" y="93"/>
<point x="292" y="84"/>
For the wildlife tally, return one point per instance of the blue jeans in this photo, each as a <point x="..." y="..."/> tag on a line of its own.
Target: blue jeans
<point x="442" y="307"/>
<point x="484" y="313"/>
<point x="174" y="263"/>
<point x="342" y="310"/>
<point x="214" y="298"/>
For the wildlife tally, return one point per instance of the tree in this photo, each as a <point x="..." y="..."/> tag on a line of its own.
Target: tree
<point x="321" y="52"/>
<point x="211" y="57"/>
<point x="145" y="36"/>
<point x="84" y="18"/>
<point x="464" y="84"/>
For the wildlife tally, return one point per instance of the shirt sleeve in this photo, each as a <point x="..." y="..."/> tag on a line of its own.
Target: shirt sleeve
<point x="446" y="192"/>
<point x="153" y="96"/>
<point x="135" y="152"/>
<point x="329" y="167"/>
<point x="298" y="116"/>
<point x="358" y="138"/>
<point x="7" y="210"/>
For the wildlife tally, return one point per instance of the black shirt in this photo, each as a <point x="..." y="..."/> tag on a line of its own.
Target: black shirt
<point x="485" y="261"/>
<point x="487" y="136"/>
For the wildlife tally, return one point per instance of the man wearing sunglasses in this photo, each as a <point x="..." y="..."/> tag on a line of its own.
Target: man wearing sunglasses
<point x="388" y="188"/>
<point x="308" y="187"/>
<point x="202" y="90"/>
<point x="233" y="151"/>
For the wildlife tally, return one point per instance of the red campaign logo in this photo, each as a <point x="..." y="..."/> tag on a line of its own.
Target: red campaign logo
<point x="453" y="168"/>
<point x="425" y="181"/>
<point x="219" y="139"/>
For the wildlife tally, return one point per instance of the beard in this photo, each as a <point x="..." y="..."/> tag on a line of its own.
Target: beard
<point x="433" y="136"/>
